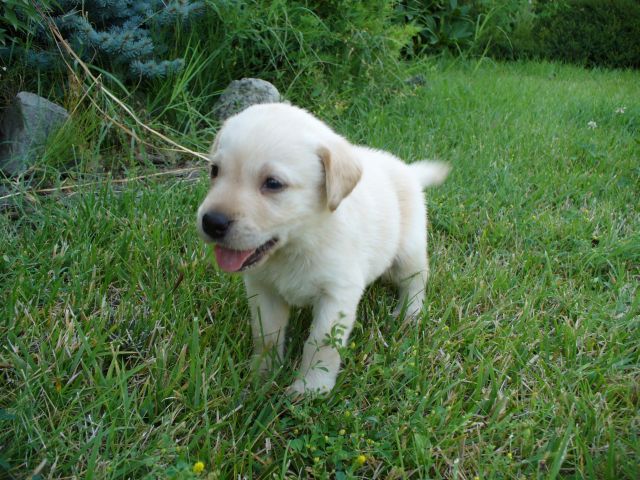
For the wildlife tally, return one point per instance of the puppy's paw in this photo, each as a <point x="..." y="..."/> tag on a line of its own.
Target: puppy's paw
<point x="409" y="314"/>
<point x="296" y="389"/>
<point x="318" y="383"/>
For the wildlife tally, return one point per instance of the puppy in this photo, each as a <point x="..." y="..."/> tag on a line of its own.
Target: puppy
<point x="311" y="219"/>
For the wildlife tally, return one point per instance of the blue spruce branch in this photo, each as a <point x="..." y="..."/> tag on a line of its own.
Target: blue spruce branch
<point x="116" y="32"/>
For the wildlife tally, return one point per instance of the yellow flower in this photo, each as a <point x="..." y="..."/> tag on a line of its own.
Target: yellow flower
<point x="360" y="459"/>
<point x="342" y="431"/>
<point x="510" y="455"/>
<point x="198" y="467"/>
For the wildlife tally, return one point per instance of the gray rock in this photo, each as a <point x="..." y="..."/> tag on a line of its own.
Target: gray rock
<point x="418" y="80"/>
<point x="241" y="94"/>
<point x="24" y="128"/>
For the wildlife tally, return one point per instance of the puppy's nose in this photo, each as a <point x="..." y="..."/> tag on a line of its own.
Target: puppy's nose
<point x="215" y="224"/>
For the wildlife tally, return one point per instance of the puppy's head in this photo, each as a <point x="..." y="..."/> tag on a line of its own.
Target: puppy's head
<point x="276" y="171"/>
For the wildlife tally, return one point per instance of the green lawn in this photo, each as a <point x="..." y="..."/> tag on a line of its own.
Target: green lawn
<point x="124" y="352"/>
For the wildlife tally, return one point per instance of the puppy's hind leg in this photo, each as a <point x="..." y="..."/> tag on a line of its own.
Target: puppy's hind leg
<point x="410" y="272"/>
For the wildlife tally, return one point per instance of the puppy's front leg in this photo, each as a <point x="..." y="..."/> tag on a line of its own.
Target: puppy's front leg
<point x="333" y="319"/>
<point x="269" y="318"/>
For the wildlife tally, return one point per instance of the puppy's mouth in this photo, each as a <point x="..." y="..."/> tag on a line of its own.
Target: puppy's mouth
<point x="230" y="260"/>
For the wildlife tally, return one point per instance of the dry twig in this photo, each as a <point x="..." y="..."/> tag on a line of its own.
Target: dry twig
<point x="177" y="171"/>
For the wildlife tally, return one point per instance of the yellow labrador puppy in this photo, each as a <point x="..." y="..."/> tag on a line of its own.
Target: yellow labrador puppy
<point x="311" y="219"/>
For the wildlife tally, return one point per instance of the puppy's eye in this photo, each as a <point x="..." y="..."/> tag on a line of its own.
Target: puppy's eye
<point x="214" y="170"/>
<point x="272" y="185"/>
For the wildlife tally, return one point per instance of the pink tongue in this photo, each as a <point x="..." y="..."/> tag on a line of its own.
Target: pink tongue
<point x="231" y="260"/>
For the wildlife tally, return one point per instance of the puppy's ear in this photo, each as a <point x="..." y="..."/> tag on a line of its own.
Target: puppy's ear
<point x="341" y="170"/>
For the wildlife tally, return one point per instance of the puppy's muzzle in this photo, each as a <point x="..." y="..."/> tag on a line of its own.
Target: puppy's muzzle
<point x="215" y="225"/>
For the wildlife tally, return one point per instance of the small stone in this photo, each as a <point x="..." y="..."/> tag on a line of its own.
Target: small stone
<point x="418" y="80"/>
<point x="241" y="94"/>
<point x="24" y="128"/>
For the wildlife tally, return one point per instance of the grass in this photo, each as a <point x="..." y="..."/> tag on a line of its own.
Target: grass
<point x="125" y="353"/>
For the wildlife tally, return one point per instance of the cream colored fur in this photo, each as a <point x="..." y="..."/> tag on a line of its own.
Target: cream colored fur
<point x="348" y="215"/>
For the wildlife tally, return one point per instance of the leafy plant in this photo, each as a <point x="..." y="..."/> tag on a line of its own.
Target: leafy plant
<point x="304" y="42"/>
<point x="442" y="24"/>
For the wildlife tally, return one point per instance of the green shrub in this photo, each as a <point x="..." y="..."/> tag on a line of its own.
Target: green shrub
<point x="362" y="35"/>
<point x="586" y="32"/>
<point x="591" y="32"/>
<point x="309" y="49"/>
<point x="297" y="41"/>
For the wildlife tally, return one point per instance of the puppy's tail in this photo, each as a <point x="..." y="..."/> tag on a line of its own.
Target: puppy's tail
<point x="430" y="174"/>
